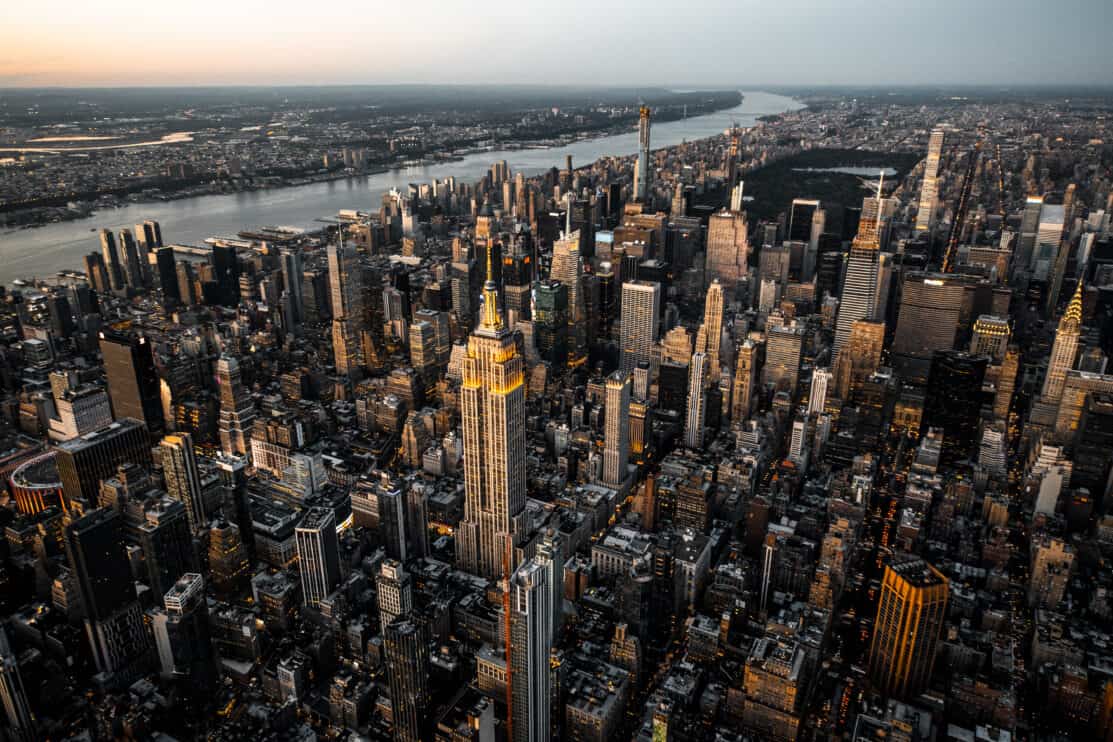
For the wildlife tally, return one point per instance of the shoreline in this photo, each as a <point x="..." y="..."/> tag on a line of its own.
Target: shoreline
<point x="88" y="209"/>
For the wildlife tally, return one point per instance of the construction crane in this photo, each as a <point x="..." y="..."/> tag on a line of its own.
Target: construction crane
<point x="507" y="638"/>
<point x="960" y="209"/>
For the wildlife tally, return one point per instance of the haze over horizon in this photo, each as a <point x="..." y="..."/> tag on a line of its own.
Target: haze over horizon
<point x="794" y="42"/>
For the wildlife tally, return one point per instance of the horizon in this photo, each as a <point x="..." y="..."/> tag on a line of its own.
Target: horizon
<point x="797" y="42"/>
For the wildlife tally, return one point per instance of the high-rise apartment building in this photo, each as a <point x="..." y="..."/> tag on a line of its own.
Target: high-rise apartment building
<point x="395" y="591"/>
<point x="929" y="189"/>
<point x="697" y="410"/>
<point x="910" y="616"/>
<point x="642" y="174"/>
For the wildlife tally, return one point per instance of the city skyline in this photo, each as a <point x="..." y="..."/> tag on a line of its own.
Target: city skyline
<point x="209" y="43"/>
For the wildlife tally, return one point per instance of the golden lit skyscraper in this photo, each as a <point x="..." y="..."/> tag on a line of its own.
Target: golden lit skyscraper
<point x="1065" y="350"/>
<point x="346" y="295"/>
<point x="728" y="247"/>
<point x="492" y="402"/>
<point x="616" y="448"/>
<point x="930" y="189"/>
<point x="745" y="380"/>
<point x="862" y="357"/>
<point x="910" y="617"/>
<point x="710" y="333"/>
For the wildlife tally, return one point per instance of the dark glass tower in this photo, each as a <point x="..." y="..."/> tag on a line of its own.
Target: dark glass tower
<point x="133" y="382"/>
<point x="953" y="401"/>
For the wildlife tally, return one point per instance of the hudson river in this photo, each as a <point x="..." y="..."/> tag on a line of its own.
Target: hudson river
<point x="43" y="251"/>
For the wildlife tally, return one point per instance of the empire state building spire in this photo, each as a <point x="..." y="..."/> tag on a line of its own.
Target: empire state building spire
<point x="491" y="318"/>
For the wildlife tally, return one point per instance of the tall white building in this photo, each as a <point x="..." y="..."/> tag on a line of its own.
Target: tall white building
<point x="318" y="555"/>
<point x="394" y="590"/>
<point x="492" y="401"/>
<point x="860" y="287"/>
<point x="616" y="442"/>
<point x="532" y="640"/>
<point x="641" y="306"/>
<point x="693" y="426"/>
<point x="929" y="191"/>
<point x="817" y="399"/>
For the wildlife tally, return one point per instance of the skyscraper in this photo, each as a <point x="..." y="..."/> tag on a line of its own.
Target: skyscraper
<point x="167" y="544"/>
<point x="133" y="381"/>
<point x="616" y="448"/>
<point x="111" y="260"/>
<point x="395" y="591"/>
<point x="931" y="306"/>
<point x="318" y="555"/>
<point x="697" y="411"/>
<point x="641" y="168"/>
<point x="292" y="273"/>
<point x="859" y="291"/>
<point x="953" y="401"/>
<point x="929" y="190"/>
<point x="20" y="726"/>
<point x="784" y="346"/>
<point x="531" y="617"/>
<point x="237" y="411"/>
<point x="406" y="650"/>
<point x="114" y="621"/>
<point x="861" y="359"/>
<point x="745" y="381"/>
<point x="641" y="307"/>
<point x="910" y="616"/>
<point x="728" y="248"/>
<point x="492" y="401"/>
<point x="568" y="268"/>
<point x="551" y="322"/>
<point x="183" y="483"/>
<point x="181" y="632"/>
<point x="1064" y="352"/>
<point x="348" y="312"/>
<point x="709" y="337"/>
<point x="817" y="397"/>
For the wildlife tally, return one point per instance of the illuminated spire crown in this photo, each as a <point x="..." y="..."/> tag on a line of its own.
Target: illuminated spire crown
<point x="491" y="318"/>
<point x="1072" y="318"/>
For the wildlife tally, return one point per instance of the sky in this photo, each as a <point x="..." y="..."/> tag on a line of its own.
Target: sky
<point x="75" y="43"/>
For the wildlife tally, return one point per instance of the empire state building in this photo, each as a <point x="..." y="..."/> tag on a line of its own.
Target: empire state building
<point x="493" y="406"/>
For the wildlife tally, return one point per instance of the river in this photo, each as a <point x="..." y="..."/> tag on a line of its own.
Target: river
<point x="45" y="250"/>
